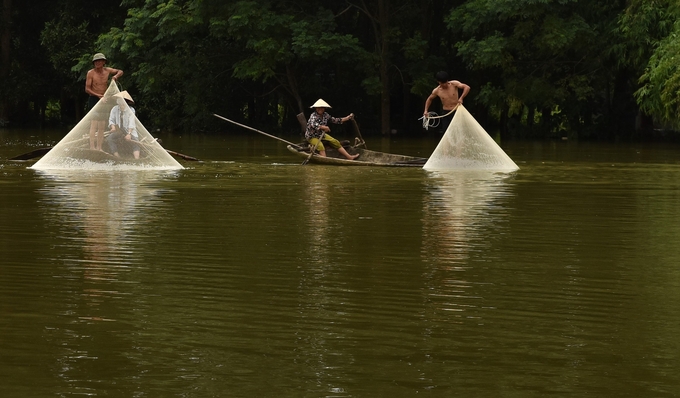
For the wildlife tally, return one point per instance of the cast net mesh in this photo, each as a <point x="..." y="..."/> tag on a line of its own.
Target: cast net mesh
<point x="466" y="145"/>
<point x="93" y="144"/>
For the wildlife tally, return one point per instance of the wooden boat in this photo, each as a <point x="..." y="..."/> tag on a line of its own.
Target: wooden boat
<point x="333" y="157"/>
<point x="96" y="156"/>
<point x="366" y="157"/>
<point x="93" y="155"/>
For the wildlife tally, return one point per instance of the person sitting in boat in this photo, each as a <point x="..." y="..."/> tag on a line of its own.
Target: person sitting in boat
<point x="123" y="127"/>
<point x="317" y="129"/>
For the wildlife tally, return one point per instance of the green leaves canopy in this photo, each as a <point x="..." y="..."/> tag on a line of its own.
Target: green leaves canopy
<point x="564" y="64"/>
<point x="652" y="30"/>
<point x="538" y="54"/>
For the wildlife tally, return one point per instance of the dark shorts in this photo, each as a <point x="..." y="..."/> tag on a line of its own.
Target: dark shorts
<point x="117" y="142"/>
<point x="91" y="102"/>
<point x="101" y="113"/>
<point x="446" y="120"/>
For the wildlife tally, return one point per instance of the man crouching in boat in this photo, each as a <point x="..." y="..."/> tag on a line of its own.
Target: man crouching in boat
<point x="317" y="127"/>
<point x="123" y="126"/>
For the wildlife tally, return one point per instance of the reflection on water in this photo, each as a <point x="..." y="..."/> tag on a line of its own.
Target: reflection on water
<point x="102" y="213"/>
<point x="104" y="222"/>
<point x="261" y="277"/>
<point x="318" y="290"/>
<point x="316" y="183"/>
<point x="461" y="210"/>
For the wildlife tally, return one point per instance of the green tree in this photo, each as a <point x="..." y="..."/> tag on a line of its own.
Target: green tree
<point x="25" y="76"/>
<point x="651" y="47"/>
<point x="266" y="59"/>
<point x="545" y="56"/>
<point x="39" y="41"/>
<point x="5" y="60"/>
<point x="290" y="44"/>
<point x="561" y="64"/>
<point x="65" y="39"/>
<point x="189" y="58"/>
<point x="174" y="68"/>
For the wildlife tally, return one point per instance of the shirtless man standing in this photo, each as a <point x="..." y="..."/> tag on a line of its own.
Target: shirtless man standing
<point x="447" y="91"/>
<point x="96" y="83"/>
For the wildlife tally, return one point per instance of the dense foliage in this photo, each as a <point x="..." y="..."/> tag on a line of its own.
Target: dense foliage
<point x="536" y="67"/>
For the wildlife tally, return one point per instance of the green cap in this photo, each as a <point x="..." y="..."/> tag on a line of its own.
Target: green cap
<point x="98" y="56"/>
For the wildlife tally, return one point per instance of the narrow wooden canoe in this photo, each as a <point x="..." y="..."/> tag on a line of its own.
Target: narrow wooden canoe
<point x="90" y="154"/>
<point x="366" y="157"/>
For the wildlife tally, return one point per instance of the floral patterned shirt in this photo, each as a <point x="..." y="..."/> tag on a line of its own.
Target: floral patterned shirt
<point x="316" y="121"/>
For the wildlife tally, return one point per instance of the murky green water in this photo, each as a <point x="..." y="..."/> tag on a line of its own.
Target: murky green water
<point x="249" y="275"/>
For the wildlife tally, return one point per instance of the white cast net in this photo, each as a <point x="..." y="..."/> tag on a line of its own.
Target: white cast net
<point x="467" y="146"/>
<point x="92" y="144"/>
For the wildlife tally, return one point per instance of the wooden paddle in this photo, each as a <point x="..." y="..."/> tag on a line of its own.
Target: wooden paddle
<point x="43" y="151"/>
<point x="33" y="154"/>
<point x="181" y="155"/>
<point x="356" y="129"/>
<point x="311" y="151"/>
<point x="298" y="147"/>
<point x="302" y="119"/>
<point x="173" y="153"/>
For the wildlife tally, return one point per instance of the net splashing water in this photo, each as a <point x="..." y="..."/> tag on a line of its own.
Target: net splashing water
<point x="466" y="145"/>
<point x="94" y="144"/>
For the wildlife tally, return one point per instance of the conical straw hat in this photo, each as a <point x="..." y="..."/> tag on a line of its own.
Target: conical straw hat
<point x="320" y="104"/>
<point x="124" y="95"/>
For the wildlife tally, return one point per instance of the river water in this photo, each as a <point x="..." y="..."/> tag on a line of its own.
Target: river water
<point x="250" y="275"/>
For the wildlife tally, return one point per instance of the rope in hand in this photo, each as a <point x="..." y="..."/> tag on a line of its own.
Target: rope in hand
<point x="432" y="119"/>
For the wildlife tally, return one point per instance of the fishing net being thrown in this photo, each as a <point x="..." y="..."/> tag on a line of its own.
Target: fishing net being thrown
<point x="467" y="146"/>
<point x="94" y="144"/>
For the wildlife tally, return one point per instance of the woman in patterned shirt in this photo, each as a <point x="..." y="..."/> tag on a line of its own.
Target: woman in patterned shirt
<point x="317" y="126"/>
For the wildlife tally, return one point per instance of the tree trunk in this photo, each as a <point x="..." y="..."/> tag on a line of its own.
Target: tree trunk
<point x="381" y="30"/>
<point x="293" y="88"/>
<point x="531" y="115"/>
<point x="383" y="17"/>
<point x="5" y="62"/>
<point x="505" y="133"/>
